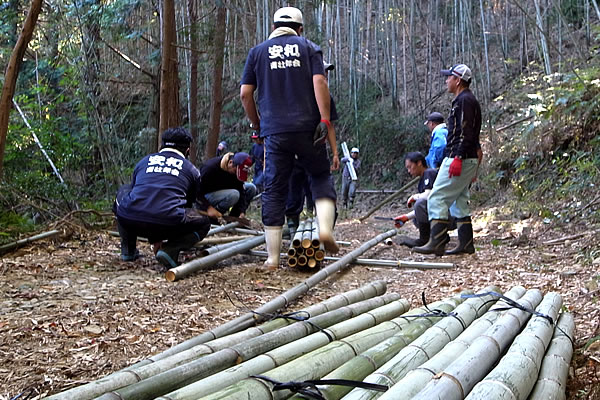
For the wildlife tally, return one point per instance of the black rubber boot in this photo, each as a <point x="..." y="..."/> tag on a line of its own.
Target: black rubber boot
<point x="169" y="252"/>
<point x="465" y="237"/>
<point x="437" y="239"/>
<point x="424" y="232"/>
<point x="293" y="222"/>
<point x="128" y="244"/>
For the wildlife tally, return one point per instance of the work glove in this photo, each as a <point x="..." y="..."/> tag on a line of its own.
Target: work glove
<point x="400" y="220"/>
<point x="455" y="167"/>
<point x="411" y="200"/>
<point x="321" y="132"/>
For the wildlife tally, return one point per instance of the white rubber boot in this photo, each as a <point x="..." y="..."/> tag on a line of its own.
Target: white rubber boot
<point x="325" y="215"/>
<point x="273" y="243"/>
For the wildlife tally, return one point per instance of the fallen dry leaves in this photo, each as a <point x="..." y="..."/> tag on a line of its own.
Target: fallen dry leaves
<point x="71" y="312"/>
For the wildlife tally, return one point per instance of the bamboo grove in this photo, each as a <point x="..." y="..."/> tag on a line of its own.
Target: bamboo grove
<point x="91" y="81"/>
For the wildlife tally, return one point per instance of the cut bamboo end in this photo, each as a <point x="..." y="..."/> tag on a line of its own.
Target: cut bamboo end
<point x="316" y="243"/>
<point x="296" y="243"/>
<point x="299" y="251"/>
<point x="306" y="243"/>
<point x="291" y="252"/>
<point x="312" y="262"/>
<point x="170" y="276"/>
<point x="320" y="255"/>
<point x="292" y="261"/>
<point x="302" y="260"/>
<point x="310" y="252"/>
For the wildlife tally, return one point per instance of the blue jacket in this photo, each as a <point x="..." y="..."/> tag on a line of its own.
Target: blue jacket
<point x="438" y="146"/>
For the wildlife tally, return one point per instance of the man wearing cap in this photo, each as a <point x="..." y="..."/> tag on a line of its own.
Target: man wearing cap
<point x="222" y="148"/>
<point x="257" y="153"/>
<point x="292" y="113"/>
<point x="458" y="169"/>
<point x="439" y="132"/>
<point x="158" y="202"/>
<point x="224" y="185"/>
<point x="349" y="185"/>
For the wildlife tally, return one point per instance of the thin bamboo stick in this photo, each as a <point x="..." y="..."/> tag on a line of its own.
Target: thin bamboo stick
<point x="224" y="228"/>
<point x="389" y="198"/>
<point x="13" y="245"/>
<point x="552" y="380"/>
<point x="224" y="239"/>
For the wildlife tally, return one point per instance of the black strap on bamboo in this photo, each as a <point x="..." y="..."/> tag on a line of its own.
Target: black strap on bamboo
<point x="510" y="304"/>
<point x="300" y="316"/>
<point x="309" y="388"/>
<point x="437" y="313"/>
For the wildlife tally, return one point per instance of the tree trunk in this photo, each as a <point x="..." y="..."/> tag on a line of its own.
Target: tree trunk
<point x="217" y="86"/>
<point x="193" y="85"/>
<point x="12" y="72"/>
<point x="169" y="81"/>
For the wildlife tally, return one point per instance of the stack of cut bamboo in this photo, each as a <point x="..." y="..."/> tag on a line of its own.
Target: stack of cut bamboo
<point x="306" y="249"/>
<point x="473" y="346"/>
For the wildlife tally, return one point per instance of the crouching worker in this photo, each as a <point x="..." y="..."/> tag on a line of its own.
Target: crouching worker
<point x="158" y="202"/>
<point x="224" y="185"/>
<point x="416" y="166"/>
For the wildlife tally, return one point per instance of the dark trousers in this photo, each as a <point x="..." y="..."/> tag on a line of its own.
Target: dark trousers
<point x="193" y="222"/>
<point x="281" y="152"/>
<point x="299" y="189"/>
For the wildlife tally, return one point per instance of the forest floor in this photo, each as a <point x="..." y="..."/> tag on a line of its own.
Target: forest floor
<point x="71" y="311"/>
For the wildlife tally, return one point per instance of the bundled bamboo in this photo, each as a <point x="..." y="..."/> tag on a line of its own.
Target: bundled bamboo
<point x="517" y="372"/>
<point x="297" y="239"/>
<point x="122" y="378"/>
<point x="461" y="375"/>
<point x="423" y="346"/>
<point x="552" y="380"/>
<point x="182" y="375"/>
<point x="288" y="352"/>
<point x="416" y="379"/>
<point x="323" y="360"/>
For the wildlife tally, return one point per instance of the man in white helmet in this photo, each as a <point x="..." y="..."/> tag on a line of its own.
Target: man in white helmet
<point x="349" y="185"/>
<point x="292" y="113"/>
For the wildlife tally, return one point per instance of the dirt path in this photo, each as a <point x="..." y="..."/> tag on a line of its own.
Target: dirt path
<point x="71" y="312"/>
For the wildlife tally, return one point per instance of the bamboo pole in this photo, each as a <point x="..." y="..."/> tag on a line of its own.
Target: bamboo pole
<point x="416" y="379"/>
<point x="123" y="377"/>
<point x="297" y="239"/>
<point x="389" y="198"/>
<point x="552" y="380"/>
<point x="224" y="228"/>
<point x="421" y="348"/>
<point x="182" y="375"/>
<point x="461" y="375"/>
<point x="306" y="235"/>
<point x="224" y="239"/>
<point x="13" y="245"/>
<point x="220" y="247"/>
<point x="184" y="270"/>
<point x="315" y="240"/>
<point x="322" y="360"/>
<point x="516" y="374"/>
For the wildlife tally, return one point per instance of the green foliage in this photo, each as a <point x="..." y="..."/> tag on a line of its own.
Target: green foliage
<point x="13" y="224"/>
<point x="381" y="133"/>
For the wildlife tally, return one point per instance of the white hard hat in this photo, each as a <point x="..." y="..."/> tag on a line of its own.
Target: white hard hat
<point x="354" y="150"/>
